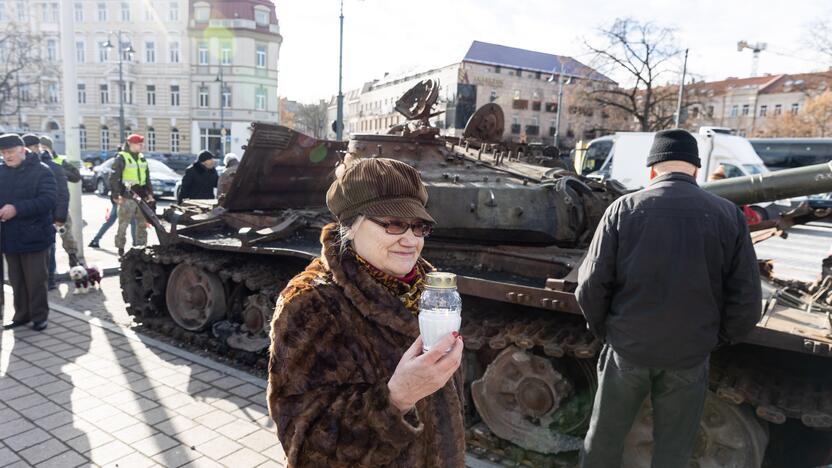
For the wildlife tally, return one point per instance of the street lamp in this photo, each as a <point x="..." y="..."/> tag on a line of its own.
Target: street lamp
<point x="561" y="82"/>
<point x="339" y="115"/>
<point x="122" y="48"/>
<point x="222" y="111"/>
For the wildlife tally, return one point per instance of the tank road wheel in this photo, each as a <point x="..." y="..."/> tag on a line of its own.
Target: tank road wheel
<point x="195" y="297"/>
<point x="729" y="436"/>
<point x="519" y="397"/>
<point x="142" y="285"/>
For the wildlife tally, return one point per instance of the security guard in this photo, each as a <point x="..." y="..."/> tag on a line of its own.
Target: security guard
<point x="73" y="176"/>
<point x="130" y="176"/>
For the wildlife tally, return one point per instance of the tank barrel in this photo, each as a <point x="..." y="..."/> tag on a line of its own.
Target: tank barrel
<point x="758" y="188"/>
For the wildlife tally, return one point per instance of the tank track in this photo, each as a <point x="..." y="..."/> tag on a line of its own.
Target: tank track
<point x="144" y="276"/>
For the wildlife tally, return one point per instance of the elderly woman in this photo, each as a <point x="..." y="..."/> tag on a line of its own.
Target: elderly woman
<point x="349" y="385"/>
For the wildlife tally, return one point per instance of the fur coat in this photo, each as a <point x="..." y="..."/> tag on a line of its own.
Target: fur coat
<point x="337" y="336"/>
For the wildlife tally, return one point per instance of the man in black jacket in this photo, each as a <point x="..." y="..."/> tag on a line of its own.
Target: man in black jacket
<point x="671" y="274"/>
<point x="200" y="179"/>
<point x="64" y="223"/>
<point x="27" y="201"/>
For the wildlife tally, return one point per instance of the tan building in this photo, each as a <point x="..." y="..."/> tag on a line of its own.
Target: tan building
<point x="234" y="45"/>
<point x="747" y="105"/>
<point x="516" y="79"/>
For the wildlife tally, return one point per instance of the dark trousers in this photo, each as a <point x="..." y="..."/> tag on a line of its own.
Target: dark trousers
<point x="677" y="396"/>
<point x="28" y="274"/>
<point x="52" y="265"/>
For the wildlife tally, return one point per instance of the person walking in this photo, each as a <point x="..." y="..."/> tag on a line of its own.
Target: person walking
<point x="130" y="176"/>
<point x="27" y="202"/>
<point x="200" y="179"/>
<point x="670" y="275"/>
<point x="72" y="176"/>
<point x="349" y="385"/>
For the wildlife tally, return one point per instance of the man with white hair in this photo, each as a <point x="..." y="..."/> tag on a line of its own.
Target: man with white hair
<point x="670" y="275"/>
<point x="231" y="161"/>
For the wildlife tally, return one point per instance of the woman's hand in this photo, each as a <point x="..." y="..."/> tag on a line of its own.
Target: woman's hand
<point x="419" y="375"/>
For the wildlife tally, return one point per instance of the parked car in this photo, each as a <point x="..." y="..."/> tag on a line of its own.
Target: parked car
<point x="162" y="177"/>
<point x="87" y="179"/>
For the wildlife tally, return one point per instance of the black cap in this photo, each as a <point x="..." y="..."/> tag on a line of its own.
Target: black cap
<point x="10" y="140"/>
<point x="674" y="145"/>
<point x="30" y="139"/>
<point x="204" y="156"/>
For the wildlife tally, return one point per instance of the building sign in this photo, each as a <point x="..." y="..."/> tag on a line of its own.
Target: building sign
<point x="488" y="81"/>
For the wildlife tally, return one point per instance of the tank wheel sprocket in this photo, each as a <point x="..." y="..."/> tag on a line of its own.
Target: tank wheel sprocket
<point x="195" y="297"/>
<point x="142" y="285"/>
<point x="729" y="436"/>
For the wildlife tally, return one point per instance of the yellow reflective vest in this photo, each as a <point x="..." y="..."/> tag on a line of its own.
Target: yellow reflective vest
<point x="135" y="170"/>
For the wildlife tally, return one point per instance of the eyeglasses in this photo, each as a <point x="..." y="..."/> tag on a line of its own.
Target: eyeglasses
<point x="396" y="227"/>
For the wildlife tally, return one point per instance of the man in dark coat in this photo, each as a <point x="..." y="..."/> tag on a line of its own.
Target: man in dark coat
<point x="200" y="179"/>
<point x="61" y="209"/>
<point x="27" y="201"/>
<point x="671" y="274"/>
<point x="64" y="223"/>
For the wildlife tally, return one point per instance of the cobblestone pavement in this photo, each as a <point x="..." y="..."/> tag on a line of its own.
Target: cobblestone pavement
<point x="86" y="392"/>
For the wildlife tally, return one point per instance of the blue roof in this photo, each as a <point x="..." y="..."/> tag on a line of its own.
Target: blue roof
<point x="512" y="57"/>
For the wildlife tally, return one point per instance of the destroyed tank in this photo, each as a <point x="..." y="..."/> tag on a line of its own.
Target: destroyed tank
<point x="515" y="238"/>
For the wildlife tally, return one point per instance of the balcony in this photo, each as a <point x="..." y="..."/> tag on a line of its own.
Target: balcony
<point x="520" y="104"/>
<point x="532" y="129"/>
<point x="515" y="129"/>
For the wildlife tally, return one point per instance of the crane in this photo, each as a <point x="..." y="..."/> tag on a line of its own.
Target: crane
<point x="755" y="49"/>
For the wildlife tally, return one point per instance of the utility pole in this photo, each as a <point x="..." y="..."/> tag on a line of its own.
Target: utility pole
<point x="561" y="82"/>
<point x="339" y="116"/>
<point x="222" y="111"/>
<point x="72" y="136"/>
<point x="681" y="90"/>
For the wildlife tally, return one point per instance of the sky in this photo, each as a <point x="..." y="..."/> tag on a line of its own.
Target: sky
<point x="396" y="36"/>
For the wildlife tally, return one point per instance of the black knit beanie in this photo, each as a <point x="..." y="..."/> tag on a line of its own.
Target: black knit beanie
<point x="204" y="156"/>
<point x="674" y="145"/>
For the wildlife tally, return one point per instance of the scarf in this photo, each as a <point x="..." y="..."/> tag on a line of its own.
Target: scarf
<point x="408" y="288"/>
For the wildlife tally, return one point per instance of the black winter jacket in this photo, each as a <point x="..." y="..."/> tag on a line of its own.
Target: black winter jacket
<point x="61" y="189"/>
<point x="670" y="274"/>
<point x="198" y="183"/>
<point x="30" y="187"/>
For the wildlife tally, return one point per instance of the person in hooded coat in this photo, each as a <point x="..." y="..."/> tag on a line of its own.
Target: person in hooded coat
<point x="200" y="179"/>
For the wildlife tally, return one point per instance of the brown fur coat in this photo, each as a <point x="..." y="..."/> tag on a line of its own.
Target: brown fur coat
<point x="337" y="336"/>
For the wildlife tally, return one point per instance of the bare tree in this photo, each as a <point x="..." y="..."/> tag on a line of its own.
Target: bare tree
<point x="645" y="54"/>
<point x="819" y="38"/>
<point x="311" y="118"/>
<point x="21" y="67"/>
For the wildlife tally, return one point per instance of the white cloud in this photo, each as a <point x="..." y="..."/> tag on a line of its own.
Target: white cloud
<point x="392" y="35"/>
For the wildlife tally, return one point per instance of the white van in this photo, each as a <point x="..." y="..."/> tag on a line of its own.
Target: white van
<point x="625" y="157"/>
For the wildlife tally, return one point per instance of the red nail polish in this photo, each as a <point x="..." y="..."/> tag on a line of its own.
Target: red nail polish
<point x="455" y="334"/>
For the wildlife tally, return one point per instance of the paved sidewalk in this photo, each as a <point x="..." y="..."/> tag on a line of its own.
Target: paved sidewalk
<point x="90" y="393"/>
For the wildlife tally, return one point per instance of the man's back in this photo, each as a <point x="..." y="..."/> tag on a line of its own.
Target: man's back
<point x="681" y="276"/>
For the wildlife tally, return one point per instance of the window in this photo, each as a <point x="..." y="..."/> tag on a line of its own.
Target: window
<point x="201" y="13"/>
<point x="710" y="111"/>
<point x="173" y="12"/>
<point x="151" y="95"/>
<point x="225" y="53"/>
<point x="51" y="50"/>
<point x="103" y="53"/>
<point x="745" y="109"/>
<point x="45" y="17"/>
<point x="125" y="11"/>
<point x="126" y="54"/>
<point x="149" y="13"/>
<point x="778" y="109"/>
<point x="82" y="93"/>
<point x="174" y="95"/>
<point x="105" y="138"/>
<point x="150" y="51"/>
<point x="54" y="12"/>
<point x="763" y="110"/>
<point x="203" y="97"/>
<point x="82" y="136"/>
<point x="79" y="12"/>
<point x="734" y="111"/>
<point x="261" y="56"/>
<point x="104" y="94"/>
<point x="2" y="11"/>
<point x="795" y="108"/>
<point x="102" y="11"/>
<point x="496" y="69"/>
<point x="128" y="93"/>
<point x="22" y="9"/>
<point x="80" y="52"/>
<point x="493" y="96"/>
<point x="203" y="53"/>
<point x="25" y="93"/>
<point x="174" y="52"/>
<point x="174" y="140"/>
<point x="261" y="17"/>
<point x="226" y="97"/>
<point x="151" y="139"/>
<point x="52" y="93"/>
<point x="260" y="99"/>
